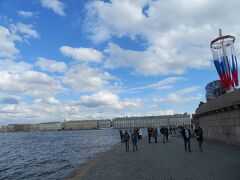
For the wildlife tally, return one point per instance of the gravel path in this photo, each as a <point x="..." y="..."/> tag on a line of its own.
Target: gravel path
<point x="168" y="161"/>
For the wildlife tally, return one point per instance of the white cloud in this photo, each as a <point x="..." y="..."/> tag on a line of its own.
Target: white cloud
<point x="187" y="90"/>
<point x="14" y="67"/>
<point x="102" y="98"/>
<point x="116" y="17"/>
<point x="132" y="103"/>
<point x="181" y="96"/>
<point x="8" y="37"/>
<point x="52" y="100"/>
<point x="84" y="78"/>
<point x="56" y="5"/>
<point x="21" y="113"/>
<point x="152" y="61"/>
<point x="7" y="45"/>
<point x="27" y="29"/>
<point x="29" y="83"/>
<point x="25" y="14"/>
<point x="51" y="65"/>
<point x="161" y="112"/>
<point x="110" y="100"/>
<point x="101" y="105"/>
<point x="177" y="34"/>
<point x="166" y="83"/>
<point x="13" y="109"/>
<point x="82" y="54"/>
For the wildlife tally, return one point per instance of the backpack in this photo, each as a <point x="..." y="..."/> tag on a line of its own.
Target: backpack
<point x="134" y="137"/>
<point x="200" y="132"/>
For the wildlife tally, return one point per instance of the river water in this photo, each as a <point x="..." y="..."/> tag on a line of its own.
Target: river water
<point x="50" y="155"/>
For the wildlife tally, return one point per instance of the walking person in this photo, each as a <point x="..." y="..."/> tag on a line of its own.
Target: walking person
<point x="162" y="131"/>
<point x="199" y="135"/>
<point x="186" y="133"/>
<point x="121" y="135"/>
<point x="134" y="140"/>
<point x="126" y="138"/>
<point x="155" y="134"/>
<point x="166" y="133"/>
<point x="140" y="134"/>
<point x="150" y="131"/>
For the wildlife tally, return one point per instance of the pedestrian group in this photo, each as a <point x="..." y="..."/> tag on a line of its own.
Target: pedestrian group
<point x="185" y="131"/>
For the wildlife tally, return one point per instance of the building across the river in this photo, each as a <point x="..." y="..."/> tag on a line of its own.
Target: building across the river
<point x="146" y="121"/>
<point x="50" y="126"/>
<point x="15" y="128"/>
<point x="121" y="122"/>
<point x="86" y="124"/>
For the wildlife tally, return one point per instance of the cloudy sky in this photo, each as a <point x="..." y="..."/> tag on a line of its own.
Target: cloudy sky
<point x="102" y="59"/>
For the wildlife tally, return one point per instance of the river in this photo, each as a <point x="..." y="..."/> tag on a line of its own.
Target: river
<point x="50" y="155"/>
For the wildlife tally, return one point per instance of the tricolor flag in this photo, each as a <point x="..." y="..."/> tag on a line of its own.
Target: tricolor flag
<point x="234" y="70"/>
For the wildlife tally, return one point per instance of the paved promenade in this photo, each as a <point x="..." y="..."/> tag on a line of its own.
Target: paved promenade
<point x="169" y="161"/>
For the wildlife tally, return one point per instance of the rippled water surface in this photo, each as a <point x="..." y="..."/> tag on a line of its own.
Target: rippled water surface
<point x="50" y="155"/>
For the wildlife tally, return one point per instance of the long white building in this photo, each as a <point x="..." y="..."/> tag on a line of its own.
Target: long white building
<point x="50" y="126"/>
<point x="155" y="121"/>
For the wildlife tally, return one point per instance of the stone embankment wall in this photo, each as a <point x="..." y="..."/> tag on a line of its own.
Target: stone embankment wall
<point x="220" y="118"/>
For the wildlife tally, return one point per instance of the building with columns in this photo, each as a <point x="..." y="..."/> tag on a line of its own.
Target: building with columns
<point x="156" y="121"/>
<point x="86" y="124"/>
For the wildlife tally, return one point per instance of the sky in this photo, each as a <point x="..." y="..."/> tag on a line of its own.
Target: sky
<point x="83" y="60"/>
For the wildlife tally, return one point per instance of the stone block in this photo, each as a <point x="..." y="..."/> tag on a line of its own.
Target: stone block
<point x="213" y="117"/>
<point x="215" y="130"/>
<point x="218" y="116"/>
<point x="220" y="130"/>
<point x="227" y="130"/>
<point x="222" y="138"/>
<point x="206" y="118"/>
<point x="230" y="122"/>
<point x="232" y="130"/>
<point x="238" y="139"/>
<point x="235" y="113"/>
<point x="223" y="122"/>
<point x="236" y="130"/>
<point x="226" y="122"/>
<point x="232" y="138"/>
<point x="217" y="122"/>
<point x="209" y="123"/>
<point x="204" y="124"/>
<point x="222" y="115"/>
<point x="236" y="121"/>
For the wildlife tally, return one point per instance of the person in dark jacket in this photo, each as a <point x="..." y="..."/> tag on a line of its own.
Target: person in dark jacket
<point x="186" y="133"/>
<point x="140" y="134"/>
<point x="150" y="132"/>
<point x="163" y="133"/>
<point x="166" y="133"/>
<point x="126" y="138"/>
<point x="199" y="135"/>
<point x="155" y="134"/>
<point x="121" y="135"/>
<point x="134" y="140"/>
